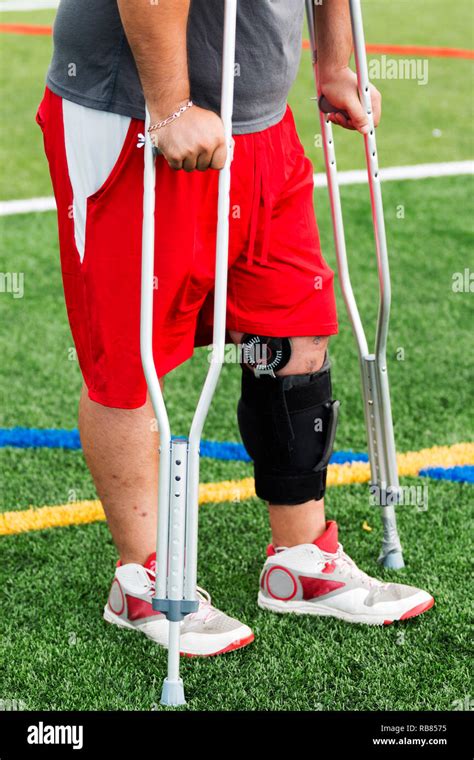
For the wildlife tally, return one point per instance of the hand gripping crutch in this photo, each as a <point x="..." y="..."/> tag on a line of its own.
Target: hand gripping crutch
<point x="375" y="388"/>
<point x="175" y="593"/>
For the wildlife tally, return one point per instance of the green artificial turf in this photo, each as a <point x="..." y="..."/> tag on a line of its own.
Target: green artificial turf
<point x="55" y="650"/>
<point x="57" y="653"/>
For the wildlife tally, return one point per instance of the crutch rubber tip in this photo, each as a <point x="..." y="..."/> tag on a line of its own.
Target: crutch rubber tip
<point x="172" y="694"/>
<point x="392" y="561"/>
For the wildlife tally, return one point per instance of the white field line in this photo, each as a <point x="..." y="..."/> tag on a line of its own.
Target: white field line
<point x="27" y="206"/>
<point x="417" y="171"/>
<point x="27" y="5"/>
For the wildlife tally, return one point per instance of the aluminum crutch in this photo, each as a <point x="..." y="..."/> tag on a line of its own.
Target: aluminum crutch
<point x="175" y="593"/>
<point x="375" y="389"/>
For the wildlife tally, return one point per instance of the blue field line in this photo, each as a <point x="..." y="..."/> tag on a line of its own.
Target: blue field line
<point x="461" y="474"/>
<point x="33" y="438"/>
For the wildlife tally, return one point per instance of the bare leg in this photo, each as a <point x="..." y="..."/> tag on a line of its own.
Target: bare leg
<point x="121" y="450"/>
<point x="303" y="523"/>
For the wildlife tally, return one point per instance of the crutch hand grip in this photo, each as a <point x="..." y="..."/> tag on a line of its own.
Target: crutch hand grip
<point x="326" y="107"/>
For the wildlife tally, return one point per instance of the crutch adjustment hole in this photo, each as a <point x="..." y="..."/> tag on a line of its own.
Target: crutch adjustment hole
<point x="177" y="477"/>
<point x="178" y="461"/>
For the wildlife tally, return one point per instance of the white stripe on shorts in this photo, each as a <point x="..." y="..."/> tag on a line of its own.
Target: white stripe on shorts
<point x="93" y="141"/>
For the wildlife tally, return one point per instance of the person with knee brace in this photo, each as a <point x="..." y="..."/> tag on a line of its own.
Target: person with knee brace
<point x="280" y="306"/>
<point x="287" y="418"/>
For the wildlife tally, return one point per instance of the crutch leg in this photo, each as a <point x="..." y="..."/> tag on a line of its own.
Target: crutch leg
<point x="220" y="294"/>
<point x="375" y="388"/>
<point x="389" y="489"/>
<point x="175" y="592"/>
<point x="173" y="458"/>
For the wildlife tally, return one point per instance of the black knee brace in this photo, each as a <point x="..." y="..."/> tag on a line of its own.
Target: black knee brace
<point x="288" y="426"/>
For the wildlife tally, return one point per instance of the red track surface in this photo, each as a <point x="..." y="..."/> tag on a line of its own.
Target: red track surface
<point x="422" y="51"/>
<point x="416" y="50"/>
<point x="25" y="29"/>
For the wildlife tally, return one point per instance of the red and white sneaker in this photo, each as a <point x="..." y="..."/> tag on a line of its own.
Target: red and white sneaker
<point x="320" y="579"/>
<point x="203" y="633"/>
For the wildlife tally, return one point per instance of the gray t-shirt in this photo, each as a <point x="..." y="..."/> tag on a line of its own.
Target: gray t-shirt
<point x="93" y="64"/>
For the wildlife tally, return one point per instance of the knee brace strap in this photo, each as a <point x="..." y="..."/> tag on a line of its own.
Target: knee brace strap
<point x="288" y="426"/>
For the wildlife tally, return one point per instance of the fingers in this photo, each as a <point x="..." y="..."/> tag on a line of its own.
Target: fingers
<point x="376" y="99"/>
<point x="219" y="157"/>
<point x="174" y="162"/>
<point x="340" y="120"/>
<point x="189" y="163"/>
<point x="358" y="118"/>
<point x="212" y="159"/>
<point x="204" y="161"/>
<point x="357" y="115"/>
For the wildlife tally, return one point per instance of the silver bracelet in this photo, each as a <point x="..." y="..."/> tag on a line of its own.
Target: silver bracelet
<point x="172" y="117"/>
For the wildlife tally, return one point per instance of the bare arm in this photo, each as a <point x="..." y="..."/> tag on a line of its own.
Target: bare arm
<point x="157" y="33"/>
<point x="157" y="36"/>
<point x="338" y="82"/>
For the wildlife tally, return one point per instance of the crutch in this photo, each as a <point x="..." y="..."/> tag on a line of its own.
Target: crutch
<point x="375" y="388"/>
<point x="175" y="593"/>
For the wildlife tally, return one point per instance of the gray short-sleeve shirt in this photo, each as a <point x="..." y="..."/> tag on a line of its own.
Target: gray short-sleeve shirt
<point x="93" y="65"/>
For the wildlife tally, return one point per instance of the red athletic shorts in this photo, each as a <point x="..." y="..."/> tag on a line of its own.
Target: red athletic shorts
<point x="279" y="283"/>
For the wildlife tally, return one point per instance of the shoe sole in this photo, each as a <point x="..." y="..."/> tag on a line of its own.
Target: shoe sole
<point x="239" y="644"/>
<point x="110" y="617"/>
<point x="283" y="608"/>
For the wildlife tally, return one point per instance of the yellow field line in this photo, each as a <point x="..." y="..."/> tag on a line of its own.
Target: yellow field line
<point x="77" y="513"/>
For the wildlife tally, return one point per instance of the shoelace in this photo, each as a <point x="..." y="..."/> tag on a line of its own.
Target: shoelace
<point x="205" y="612"/>
<point x="349" y="567"/>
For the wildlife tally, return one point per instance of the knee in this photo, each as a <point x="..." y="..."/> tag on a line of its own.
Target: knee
<point x="307" y="355"/>
<point x="288" y="424"/>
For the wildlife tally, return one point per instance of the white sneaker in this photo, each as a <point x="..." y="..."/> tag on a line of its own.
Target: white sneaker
<point x="203" y="633"/>
<point x="320" y="579"/>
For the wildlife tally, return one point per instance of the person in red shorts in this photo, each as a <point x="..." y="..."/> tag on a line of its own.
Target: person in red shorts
<point x="109" y="57"/>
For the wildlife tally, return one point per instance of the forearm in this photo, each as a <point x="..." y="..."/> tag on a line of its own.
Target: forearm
<point x="156" y="33"/>
<point x="333" y="35"/>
